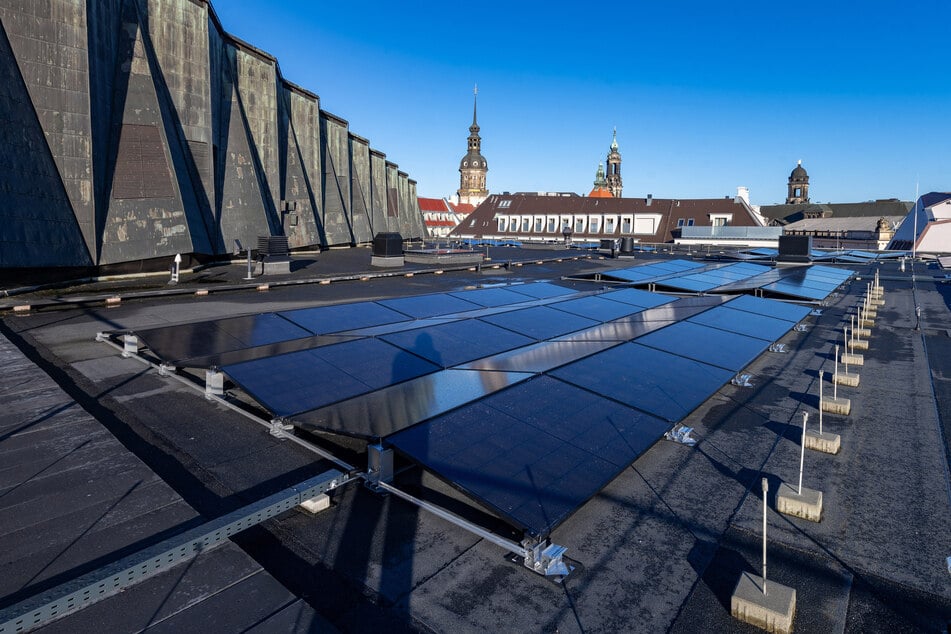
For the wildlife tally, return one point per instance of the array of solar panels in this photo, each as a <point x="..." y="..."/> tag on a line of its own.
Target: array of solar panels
<point x="813" y="283"/>
<point x="855" y="256"/>
<point x="528" y="398"/>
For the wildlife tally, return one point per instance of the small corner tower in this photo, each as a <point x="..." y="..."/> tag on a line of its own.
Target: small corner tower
<point x="472" y="168"/>
<point x="798" y="186"/>
<point x="600" y="184"/>
<point x="614" y="168"/>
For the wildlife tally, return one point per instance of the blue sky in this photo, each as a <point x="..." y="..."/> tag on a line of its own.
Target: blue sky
<point x="705" y="96"/>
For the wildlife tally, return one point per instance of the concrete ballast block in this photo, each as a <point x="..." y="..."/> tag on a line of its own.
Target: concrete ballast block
<point x="824" y="442"/>
<point x="773" y="612"/>
<point x="852" y="359"/>
<point x="837" y="405"/>
<point x="863" y="332"/>
<point x="859" y="344"/>
<point x="867" y="323"/>
<point x="807" y="504"/>
<point x="846" y="378"/>
<point x="316" y="504"/>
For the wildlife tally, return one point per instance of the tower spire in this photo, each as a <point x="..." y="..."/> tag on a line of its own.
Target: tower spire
<point x="475" y="96"/>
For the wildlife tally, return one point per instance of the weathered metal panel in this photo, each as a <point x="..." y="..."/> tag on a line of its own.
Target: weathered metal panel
<point x="178" y="38"/>
<point x="419" y="226"/>
<point x="378" y="219"/>
<point x="393" y="197"/>
<point x="406" y="223"/>
<point x="244" y="211"/>
<point x="37" y="225"/>
<point x="135" y="129"/>
<point x="360" y="188"/>
<point x="336" y="182"/>
<point x="145" y="216"/>
<point x="47" y="42"/>
<point x="300" y="137"/>
<point x="257" y="91"/>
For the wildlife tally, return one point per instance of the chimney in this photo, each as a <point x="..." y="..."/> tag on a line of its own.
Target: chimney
<point x="650" y="199"/>
<point x="743" y="193"/>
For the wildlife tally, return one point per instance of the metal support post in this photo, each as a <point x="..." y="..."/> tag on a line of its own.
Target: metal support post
<point x="835" y="377"/>
<point x="802" y="453"/>
<point x="821" y="378"/>
<point x="765" y="489"/>
<point x="250" y="276"/>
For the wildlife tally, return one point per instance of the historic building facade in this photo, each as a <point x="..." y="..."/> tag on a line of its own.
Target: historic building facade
<point x="798" y="186"/>
<point x="614" y="169"/>
<point x="473" y="167"/>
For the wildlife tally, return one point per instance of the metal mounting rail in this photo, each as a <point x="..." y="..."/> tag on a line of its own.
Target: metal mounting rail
<point x="114" y="578"/>
<point x="275" y="430"/>
<point x="539" y="557"/>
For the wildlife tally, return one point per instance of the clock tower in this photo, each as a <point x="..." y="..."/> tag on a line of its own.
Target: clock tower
<point x="614" y="169"/>
<point x="472" y="167"/>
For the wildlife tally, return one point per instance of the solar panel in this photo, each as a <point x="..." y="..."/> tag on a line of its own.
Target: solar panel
<point x="300" y="381"/>
<point x="636" y="297"/>
<point x="653" y="381"/>
<point x="494" y="296"/>
<point x="634" y="274"/>
<point x="713" y="346"/>
<point x="457" y="342"/>
<point x="177" y="344"/>
<point x="429" y="305"/>
<point x="770" y="308"/>
<point x="539" y="322"/>
<point x="540" y="357"/>
<point x="541" y="290"/>
<point x="795" y="289"/>
<point x="596" y="307"/>
<point x="327" y="319"/>
<point x="534" y="452"/>
<point x="746" y="323"/>
<point x="403" y="405"/>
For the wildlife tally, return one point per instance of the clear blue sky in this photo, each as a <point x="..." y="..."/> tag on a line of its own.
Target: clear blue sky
<point x="705" y="96"/>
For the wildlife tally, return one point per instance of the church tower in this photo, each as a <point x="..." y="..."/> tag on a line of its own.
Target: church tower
<point x="472" y="168"/>
<point x="614" y="169"/>
<point x="798" y="186"/>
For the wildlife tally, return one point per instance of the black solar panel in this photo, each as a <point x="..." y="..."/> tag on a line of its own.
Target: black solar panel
<point x="326" y="319"/>
<point x="540" y="357"/>
<point x="596" y="307"/>
<point x="535" y="452"/>
<point x="457" y="342"/>
<point x="743" y="322"/>
<point x="653" y="381"/>
<point x="494" y="296"/>
<point x="399" y="406"/>
<point x="709" y="345"/>
<point x="182" y="342"/>
<point x="771" y="308"/>
<point x="541" y="290"/>
<point x="540" y="322"/>
<point x="300" y="381"/>
<point x="637" y="297"/>
<point x="429" y="305"/>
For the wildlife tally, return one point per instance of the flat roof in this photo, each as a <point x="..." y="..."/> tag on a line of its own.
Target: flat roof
<point x="659" y="548"/>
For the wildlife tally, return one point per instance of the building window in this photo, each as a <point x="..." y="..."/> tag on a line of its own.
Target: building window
<point x="503" y="224"/>
<point x="680" y="222"/>
<point x="689" y="222"/>
<point x="513" y="226"/>
<point x="719" y="222"/>
<point x="594" y="222"/>
<point x="552" y="224"/>
<point x="505" y="204"/>
<point x="627" y="224"/>
<point x="579" y="224"/>
<point x="539" y="224"/>
<point x="610" y="224"/>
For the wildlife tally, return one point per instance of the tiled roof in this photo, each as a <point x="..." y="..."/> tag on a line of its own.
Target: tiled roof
<point x="433" y="204"/>
<point x="463" y="208"/>
<point x="668" y="213"/>
<point x="876" y="208"/>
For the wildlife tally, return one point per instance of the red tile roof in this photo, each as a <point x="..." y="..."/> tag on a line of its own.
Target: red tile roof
<point x="432" y="204"/>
